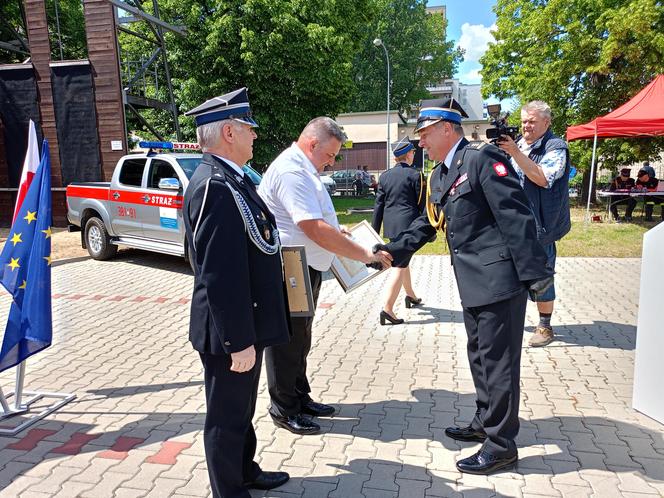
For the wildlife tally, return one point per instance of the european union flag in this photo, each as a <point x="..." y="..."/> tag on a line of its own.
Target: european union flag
<point x="25" y="271"/>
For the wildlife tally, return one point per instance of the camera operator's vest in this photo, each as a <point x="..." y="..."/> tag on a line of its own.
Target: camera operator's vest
<point x="550" y="205"/>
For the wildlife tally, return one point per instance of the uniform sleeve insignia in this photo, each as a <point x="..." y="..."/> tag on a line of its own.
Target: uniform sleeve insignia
<point x="500" y="169"/>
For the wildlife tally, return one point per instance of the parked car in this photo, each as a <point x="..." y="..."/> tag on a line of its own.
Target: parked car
<point x="344" y="180"/>
<point x="329" y="183"/>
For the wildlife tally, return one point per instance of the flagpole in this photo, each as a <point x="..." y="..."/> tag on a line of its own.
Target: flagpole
<point x="18" y="393"/>
<point x="3" y="403"/>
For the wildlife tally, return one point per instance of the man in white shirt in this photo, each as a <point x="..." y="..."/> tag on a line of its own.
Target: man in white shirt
<point x="294" y="193"/>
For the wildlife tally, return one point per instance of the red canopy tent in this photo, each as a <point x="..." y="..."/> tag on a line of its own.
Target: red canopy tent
<point x="643" y="115"/>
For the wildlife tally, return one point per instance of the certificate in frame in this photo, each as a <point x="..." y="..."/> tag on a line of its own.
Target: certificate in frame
<point x="351" y="273"/>
<point x="298" y="283"/>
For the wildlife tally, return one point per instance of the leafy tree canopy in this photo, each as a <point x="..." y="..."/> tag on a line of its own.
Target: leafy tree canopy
<point x="296" y="58"/>
<point x="584" y="57"/>
<point x="418" y="51"/>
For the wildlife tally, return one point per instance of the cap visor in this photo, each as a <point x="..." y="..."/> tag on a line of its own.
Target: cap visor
<point x="425" y="123"/>
<point x="248" y="120"/>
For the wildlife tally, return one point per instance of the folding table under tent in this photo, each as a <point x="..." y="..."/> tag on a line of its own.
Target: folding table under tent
<point x="643" y="115"/>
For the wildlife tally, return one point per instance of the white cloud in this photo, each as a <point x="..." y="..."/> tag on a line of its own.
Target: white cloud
<point x="475" y="39"/>
<point x="471" y="77"/>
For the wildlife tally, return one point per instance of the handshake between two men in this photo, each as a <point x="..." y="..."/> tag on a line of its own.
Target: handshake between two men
<point x="537" y="288"/>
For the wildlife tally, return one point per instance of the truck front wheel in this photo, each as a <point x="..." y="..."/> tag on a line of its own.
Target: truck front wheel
<point x="97" y="240"/>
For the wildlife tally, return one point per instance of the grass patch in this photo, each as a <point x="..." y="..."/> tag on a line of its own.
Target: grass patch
<point x="596" y="240"/>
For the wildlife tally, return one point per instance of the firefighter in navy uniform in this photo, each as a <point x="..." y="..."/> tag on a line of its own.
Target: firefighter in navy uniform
<point x="497" y="259"/>
<point x="646" y="182"/>
<point x="622" y="182"/>
<point x="238" y="305"/>
<point x="399" y="200"/>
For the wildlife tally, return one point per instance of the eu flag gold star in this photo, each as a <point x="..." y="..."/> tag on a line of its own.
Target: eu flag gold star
<point x="16" y="238"/>
<point x="14" y="263"/>
<point x="31" y="216"/>
<point x="23" y="285"/>
<point x="48" y="259"/>
<point x="47" y="232"/>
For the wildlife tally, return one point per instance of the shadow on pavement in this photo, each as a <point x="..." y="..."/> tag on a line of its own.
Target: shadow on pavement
<point x="155" y="260"/>
<point x="565" y="443"/>
<point x="60" y="262"/>
<point x="579" y="442"/>
<point x="118" y="392"/>
<point x="600" y="334"/>
<point x="436" y="315"/>
<point x="375" y="478"/>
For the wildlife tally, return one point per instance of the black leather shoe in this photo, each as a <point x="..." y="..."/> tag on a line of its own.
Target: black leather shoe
<point x="465" y="434"/>
<point x="297" y="424"/>
<point x="268" y="480"/>
<point x="483" y="463"/>
<point x="318" y="409"/>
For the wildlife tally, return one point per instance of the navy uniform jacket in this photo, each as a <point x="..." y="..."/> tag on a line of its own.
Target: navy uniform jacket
<point x="399" y="200"/>
<point x="490" y="230"/>
<point x="238" y="297"/>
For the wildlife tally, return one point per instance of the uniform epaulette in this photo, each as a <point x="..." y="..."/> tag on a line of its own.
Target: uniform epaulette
<point x="477" y="145"/>
<point x="218" y="174"/>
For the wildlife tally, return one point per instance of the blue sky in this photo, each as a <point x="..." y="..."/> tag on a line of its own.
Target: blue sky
<point x="469" y="23"/>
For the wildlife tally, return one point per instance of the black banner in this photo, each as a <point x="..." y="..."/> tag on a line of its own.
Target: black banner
<point x="18" y="104"/>
<point x="76" y="121"/>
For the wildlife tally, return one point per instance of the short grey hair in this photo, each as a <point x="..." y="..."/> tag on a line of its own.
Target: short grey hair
<point x="324" y="128"/>
<point x="540" y="106"/>
<point x="208" y="135"/>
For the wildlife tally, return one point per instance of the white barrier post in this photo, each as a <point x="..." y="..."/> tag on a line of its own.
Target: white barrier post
<point x="647" y="397"/>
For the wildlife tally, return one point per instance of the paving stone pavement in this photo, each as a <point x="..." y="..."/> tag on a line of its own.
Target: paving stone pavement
<point x="135" y="428"/>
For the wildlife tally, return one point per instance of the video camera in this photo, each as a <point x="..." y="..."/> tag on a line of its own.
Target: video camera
<point x="500" y="127"/>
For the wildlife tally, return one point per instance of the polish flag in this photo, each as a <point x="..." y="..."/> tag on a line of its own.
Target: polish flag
<point x="30" y="165"/>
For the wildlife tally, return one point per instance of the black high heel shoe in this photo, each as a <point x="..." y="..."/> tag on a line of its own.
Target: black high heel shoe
<point x="410" y="302"/>
<point x="384" y="316"/>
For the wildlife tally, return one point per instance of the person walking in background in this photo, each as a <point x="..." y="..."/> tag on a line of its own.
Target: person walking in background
<point x="541" y="160"/>
<point x="399" y="200"/>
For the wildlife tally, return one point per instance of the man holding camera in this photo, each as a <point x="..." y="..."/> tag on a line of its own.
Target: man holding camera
<point x="542" y="162"/>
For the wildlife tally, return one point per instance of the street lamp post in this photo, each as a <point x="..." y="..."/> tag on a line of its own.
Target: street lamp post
<point x="379" y="43"/>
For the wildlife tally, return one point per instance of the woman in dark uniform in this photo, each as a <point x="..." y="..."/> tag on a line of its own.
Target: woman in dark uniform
<point x="399" y="200"/>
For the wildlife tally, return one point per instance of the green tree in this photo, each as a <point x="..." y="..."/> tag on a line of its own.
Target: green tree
<point x="584" y="57"/>
<point x="13" y="32"/>
<point x="418" y="50"/>
<point x="296" y="58"/>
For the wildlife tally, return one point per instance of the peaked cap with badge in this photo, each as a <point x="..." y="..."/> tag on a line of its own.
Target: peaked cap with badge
<point x="239" y="297"/>
<point x="434" y="110"/>
<point x="402" y="147"/>
<point x="233" y="105"/>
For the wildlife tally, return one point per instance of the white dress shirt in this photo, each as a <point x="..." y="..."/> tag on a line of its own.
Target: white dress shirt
<point x="450" y="154"/>
<point x="293" y="191"/>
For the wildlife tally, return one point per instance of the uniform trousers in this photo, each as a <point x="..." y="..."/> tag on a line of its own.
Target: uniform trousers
<point x="495" y="332"/>
<point x="229" y="436"/>
<point x="286" y="364"/>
